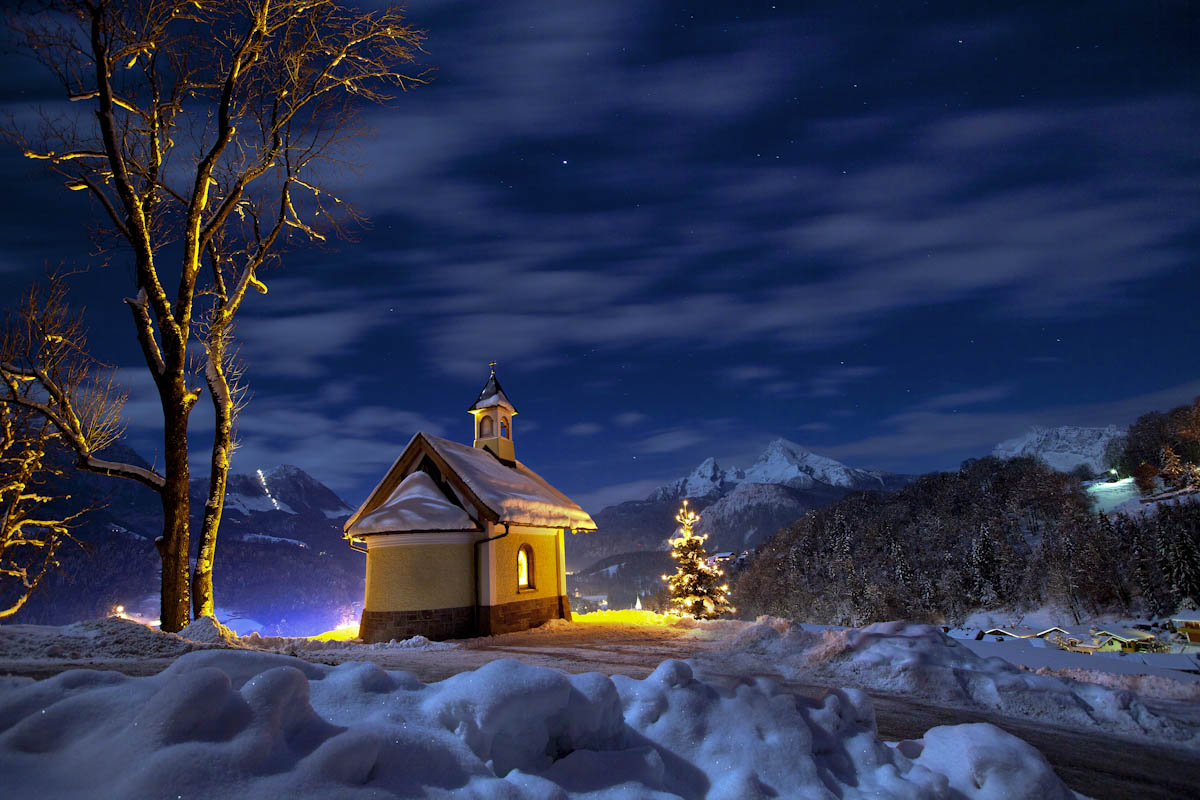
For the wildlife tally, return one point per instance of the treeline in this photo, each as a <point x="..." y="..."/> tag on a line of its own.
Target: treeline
<point x="1162" y="446"/>
<point x="996" y="534"/>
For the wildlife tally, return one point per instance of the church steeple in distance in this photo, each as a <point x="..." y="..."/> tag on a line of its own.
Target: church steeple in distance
<point x="493" y="413"/>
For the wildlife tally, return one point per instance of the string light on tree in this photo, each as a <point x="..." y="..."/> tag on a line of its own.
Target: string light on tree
<point x="696" y="588"/>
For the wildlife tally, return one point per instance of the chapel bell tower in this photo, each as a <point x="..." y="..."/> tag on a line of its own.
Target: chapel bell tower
<point x="493" y="413"/>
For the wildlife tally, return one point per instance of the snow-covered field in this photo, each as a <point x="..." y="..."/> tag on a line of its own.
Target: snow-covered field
<point x="225" y="718"/>
<point x="920" y="661"/>
<point x="226" y="723"/>
<point x="1123" y="497"/>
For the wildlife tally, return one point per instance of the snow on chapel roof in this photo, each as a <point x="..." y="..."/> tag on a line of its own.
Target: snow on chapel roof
<point x="516" y="494"/>
<point x="417" y="504"/>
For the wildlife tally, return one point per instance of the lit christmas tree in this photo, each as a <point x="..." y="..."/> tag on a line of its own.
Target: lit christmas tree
<point x="696" y="588"/>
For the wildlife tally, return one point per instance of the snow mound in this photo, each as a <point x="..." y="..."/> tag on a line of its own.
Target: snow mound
<point x="295" y="645"/>
<point x="227" y="723"/>
<point x="415" y="643"/>
<point x="209" y="631"/>
<point x="114" y="637"/>
<point x="959" y="751"/>
<point x="920" y="660"/>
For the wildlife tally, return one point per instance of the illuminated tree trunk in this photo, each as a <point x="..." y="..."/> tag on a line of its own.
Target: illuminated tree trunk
<point x="203" y="603"/>
<point x="174" y="544"/>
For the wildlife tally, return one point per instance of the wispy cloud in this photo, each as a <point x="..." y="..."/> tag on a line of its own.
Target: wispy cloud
<point x="670" y="441"/>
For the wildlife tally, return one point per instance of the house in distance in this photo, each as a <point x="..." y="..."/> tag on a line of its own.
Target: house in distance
<point x="464" y="540"/>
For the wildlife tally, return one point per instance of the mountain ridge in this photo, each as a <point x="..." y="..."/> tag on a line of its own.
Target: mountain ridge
<point x="1064" y="447"/>
<point x="782" y="462"/>
<point x="740" y="507"/>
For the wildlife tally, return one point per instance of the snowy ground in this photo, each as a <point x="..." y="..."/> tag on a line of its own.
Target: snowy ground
<point x="599" y="709"/>
<point x="1123" y="497"/>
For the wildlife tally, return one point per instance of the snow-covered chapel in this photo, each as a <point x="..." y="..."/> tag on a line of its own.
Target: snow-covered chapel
<point x="464" y="540"/>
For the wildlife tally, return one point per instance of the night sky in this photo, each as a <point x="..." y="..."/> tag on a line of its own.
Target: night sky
<point x="895" y="233"/>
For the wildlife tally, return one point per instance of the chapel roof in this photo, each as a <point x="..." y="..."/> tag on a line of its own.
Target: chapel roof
<point x="486" y="486"/>
<point x="492" y="395"/>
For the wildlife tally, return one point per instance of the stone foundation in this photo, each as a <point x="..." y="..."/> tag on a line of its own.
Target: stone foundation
<point x="522" y="614"/>
<point x="435" y="624"/>
<point x="460" y="623"/>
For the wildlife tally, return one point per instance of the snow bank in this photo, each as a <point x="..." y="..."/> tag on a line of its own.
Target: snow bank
<point x="920" y="660"/>
<point x="227" y="723"/>
<point x="209" y="631"/>
<point x="295" y="645"/>
<point x="114" y="637"/>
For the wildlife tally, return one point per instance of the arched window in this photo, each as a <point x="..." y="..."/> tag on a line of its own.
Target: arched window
<point x="487" y="427"/>
<point x="525" y="567"/>
<point x="504" y="427"/>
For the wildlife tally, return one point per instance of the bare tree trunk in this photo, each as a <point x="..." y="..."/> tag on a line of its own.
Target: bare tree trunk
<point x="223" y="408"/>
<point x="175" y="542"/>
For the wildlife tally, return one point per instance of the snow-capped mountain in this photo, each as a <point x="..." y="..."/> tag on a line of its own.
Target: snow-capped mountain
<point x="783" y="463"/>
<point x="285" y="488"/>
<point x="1063" y="448"/>
<point x="740" y="507"/>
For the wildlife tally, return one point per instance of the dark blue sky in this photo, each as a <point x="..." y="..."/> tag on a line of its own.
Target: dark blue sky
<point x="896" y="233"/>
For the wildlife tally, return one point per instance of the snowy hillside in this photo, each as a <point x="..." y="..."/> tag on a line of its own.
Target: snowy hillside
<point x="756" y="510"/>
<point x="285" y="488"/>
<point x="1063" y="448"/>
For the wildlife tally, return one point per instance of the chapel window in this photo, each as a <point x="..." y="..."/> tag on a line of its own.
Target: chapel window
<point x="525" y="567"/>
<point x="487" y="427"/>
<point x="504" y="427"/>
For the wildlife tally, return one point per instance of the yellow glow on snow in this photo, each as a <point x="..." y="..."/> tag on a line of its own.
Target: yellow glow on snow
<point x="627" y="616"/>
<point x="345" y="632"/>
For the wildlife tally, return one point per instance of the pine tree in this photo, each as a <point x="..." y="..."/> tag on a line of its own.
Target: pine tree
<point x="696" y="588"/>
<point x="982" y="562"/>
<point x="1172" y="468"/>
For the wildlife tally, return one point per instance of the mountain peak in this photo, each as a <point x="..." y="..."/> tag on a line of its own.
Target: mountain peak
<point x="285" y="488"/>
<point x="786" y="447"/>
<point x="782" y="462"/>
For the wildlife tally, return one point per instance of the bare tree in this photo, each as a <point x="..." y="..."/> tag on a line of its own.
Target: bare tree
<point x="28" y="541"/>
<point x="211" y="124"/>
<point x="42" y="345"/>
